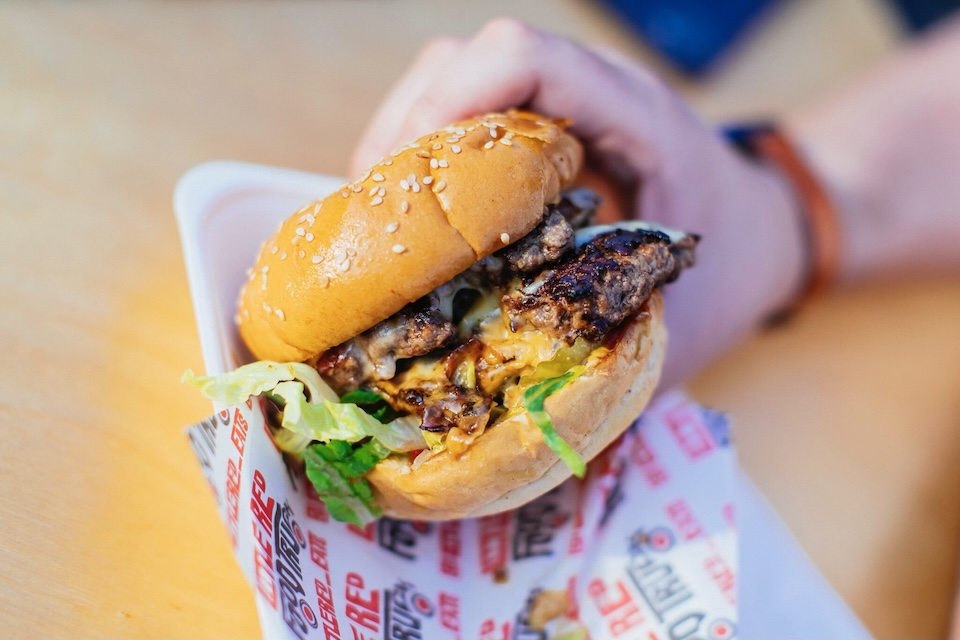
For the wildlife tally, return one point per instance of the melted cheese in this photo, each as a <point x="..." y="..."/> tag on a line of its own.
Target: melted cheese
<point x="503" y="356"/>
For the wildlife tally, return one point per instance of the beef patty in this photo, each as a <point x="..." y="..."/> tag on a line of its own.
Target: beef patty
<point x="544" y="280"/>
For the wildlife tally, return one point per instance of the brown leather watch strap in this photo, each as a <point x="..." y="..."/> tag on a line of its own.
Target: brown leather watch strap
<point x="768" y="144"/>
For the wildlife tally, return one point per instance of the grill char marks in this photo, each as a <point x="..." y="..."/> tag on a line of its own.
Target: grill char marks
<point x="607" y="282"/>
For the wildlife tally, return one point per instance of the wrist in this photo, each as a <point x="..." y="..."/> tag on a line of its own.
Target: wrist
<point x="809" y="216"/>
<point x="787" y="258"/>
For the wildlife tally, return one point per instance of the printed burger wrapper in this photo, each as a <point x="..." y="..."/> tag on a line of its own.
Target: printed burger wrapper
<point x="644" y="547"/>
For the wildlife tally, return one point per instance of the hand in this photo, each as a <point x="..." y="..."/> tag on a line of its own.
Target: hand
<point x="653" y="156"/>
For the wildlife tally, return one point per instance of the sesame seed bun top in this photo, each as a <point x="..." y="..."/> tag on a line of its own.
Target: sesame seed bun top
<point x="420" y="216"/>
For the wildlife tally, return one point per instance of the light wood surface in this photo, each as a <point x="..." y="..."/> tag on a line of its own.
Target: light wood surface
<point x="849" y="419"/>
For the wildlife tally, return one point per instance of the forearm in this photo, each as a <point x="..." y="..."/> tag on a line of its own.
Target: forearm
<point x="889" y="150"/>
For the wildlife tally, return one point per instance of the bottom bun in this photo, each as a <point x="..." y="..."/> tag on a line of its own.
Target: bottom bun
<point x="510" y="464"/>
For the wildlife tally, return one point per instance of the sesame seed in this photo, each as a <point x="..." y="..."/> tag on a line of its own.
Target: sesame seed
<point x="398" y="248"/>
<point x="423" y="154"/>
<point x="505" y="238"/>
<point x="316" y="259"/>
<point x="405" y="185"/>
<point x="378" y="177"/>
<point x="393" y="226"/>
<point x="302" y="254"/>
<point x="283" y="255"/>
<point x="456" y="148"/>
<point x="488" y="145"/>
<point x="265" y="268"/>
<point x="376" y="201"/>
<point x="411" y="178"/>
<point x="279" y="313"/>
<point x="427" y="179"/>
<point x="404" y="206"/>
<point x="309" y="237"/>
<point x="300" y="231"/>
<point x="294" y="239"/>
<point x="433" y="163"/>
<point x="440" y="186"/>
<point x="357" y="188"/>
<point x="437" y="147"/>
<point x="493" y="132"/>
<point x="267" y="308"/>
<point x="381" y="190"/>
<point x="416" y="187"/>
<point x="316" y="209"/>
<point x="386" y="162"/>
<point x="373" y="190"/>
<point x="345" y="194"/>
<point x="325" y="282"/>
<point x="443" y="164"/>
<point x="308" y="218"/>
<point x="366" y="174"/>
<point x="339" y="254"/>
<point x="344" y="266"/>
<point x="433" y="137"/>
<point x="274" y="249"/>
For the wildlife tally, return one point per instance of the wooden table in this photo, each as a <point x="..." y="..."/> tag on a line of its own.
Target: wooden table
<point x="849" y="419"/>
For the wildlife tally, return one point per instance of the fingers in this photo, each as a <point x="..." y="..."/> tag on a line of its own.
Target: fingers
<point x="642" y="142"/>
<point x="449" y="80"/>
<point x="509" y="64"/>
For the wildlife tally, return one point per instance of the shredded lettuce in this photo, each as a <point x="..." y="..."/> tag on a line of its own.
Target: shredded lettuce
<point x="310" y="408"/>
<point x="372" y="402"/>
<point x="341" y="439"/>
<point x="255" y="378"/>
<point x="345" y="438"/>
<point x="336" y="470"/>
<point x="326" y="421"/>
<point x="534" y="398"/>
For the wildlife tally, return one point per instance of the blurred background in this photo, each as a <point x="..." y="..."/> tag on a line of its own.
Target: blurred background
<point x="695" y="36"/>
<point x="848" y="419"/>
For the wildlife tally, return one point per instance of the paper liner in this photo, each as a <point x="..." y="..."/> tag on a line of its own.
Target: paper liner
<point x="644" y="547"/>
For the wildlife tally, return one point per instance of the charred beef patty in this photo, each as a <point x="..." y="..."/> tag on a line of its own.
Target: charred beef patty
<point x="543" y="280"/>
<point x="606" y="282"/>
<point x="415" y="330"/>
<point x="424" y="326"/>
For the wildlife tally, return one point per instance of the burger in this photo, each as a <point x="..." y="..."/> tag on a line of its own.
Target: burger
<point x="448" y="336"/>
